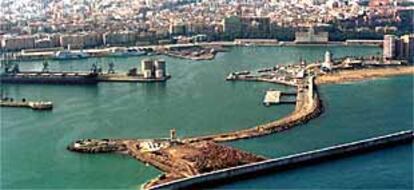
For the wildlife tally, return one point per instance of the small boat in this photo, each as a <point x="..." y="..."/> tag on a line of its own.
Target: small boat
<point x="41" y="105"/>
<point x="242" y="73"/>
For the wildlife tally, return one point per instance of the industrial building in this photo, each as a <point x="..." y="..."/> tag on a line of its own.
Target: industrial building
<point x="153" y="68"/>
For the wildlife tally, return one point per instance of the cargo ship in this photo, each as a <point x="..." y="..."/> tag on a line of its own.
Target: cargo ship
<point x="152" y="71"/>
<point x="67" y="54"/>
<point x="14" y="75"/>
<point x="49" y="77"/>
<point x="121" y="52"/>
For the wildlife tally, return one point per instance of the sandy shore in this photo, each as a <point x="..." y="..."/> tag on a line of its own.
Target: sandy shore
<point x="364" y="74"/>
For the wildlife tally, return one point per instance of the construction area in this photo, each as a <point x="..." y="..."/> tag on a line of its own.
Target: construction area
<point x="176" y="159"/>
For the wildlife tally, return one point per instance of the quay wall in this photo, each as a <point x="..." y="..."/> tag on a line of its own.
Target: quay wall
<point x="256" y="79"/>
<point x="41" y="54"/>
<point x="291" y="161"/>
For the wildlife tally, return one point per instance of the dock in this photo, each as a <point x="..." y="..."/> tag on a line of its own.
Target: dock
<point x="39" y="105"/>
<point x="272" y="97"/>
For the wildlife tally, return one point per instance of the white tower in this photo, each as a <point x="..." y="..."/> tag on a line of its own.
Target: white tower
<point x="327" y="64"/>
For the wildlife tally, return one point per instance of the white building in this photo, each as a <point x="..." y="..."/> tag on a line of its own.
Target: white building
<point x="327" y="64"/>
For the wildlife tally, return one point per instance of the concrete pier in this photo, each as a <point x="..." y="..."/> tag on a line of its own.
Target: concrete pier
<point x="272" y="97"/>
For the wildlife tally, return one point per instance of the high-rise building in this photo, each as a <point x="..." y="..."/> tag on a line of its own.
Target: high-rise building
<point x="407" y="51"/>
<point x="399" y="48"/>
<point x="389" y="49"/>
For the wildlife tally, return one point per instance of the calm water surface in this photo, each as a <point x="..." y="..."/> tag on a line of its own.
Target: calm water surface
<point x="196" y="101"/>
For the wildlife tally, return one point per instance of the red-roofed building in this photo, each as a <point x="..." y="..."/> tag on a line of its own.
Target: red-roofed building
<point x="379" y="3"/>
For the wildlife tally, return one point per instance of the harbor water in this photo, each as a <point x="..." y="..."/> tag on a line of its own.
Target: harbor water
<point x="198" y="101"/>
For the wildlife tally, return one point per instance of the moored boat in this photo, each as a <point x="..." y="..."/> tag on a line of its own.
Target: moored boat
<point x="67" y="54"/>
<point x="120" y="52"/>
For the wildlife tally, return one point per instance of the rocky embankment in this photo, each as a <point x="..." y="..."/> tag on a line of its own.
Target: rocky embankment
<point x="308" y="106"/>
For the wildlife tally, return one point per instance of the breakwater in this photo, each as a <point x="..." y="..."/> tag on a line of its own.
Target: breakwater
<point x="305" y="158"/>
<point x="308" y="106"/>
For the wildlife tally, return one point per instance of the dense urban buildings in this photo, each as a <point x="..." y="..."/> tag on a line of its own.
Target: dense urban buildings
<point x="89" y="23"/>
<point x="311" y="37"/>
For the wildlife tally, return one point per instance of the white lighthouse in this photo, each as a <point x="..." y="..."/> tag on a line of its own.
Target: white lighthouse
<point x="327" y="64"/>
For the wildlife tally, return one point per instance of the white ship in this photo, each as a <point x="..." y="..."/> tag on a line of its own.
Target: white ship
<point x="67" y="54"/>
<point x="126" y="52"/>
